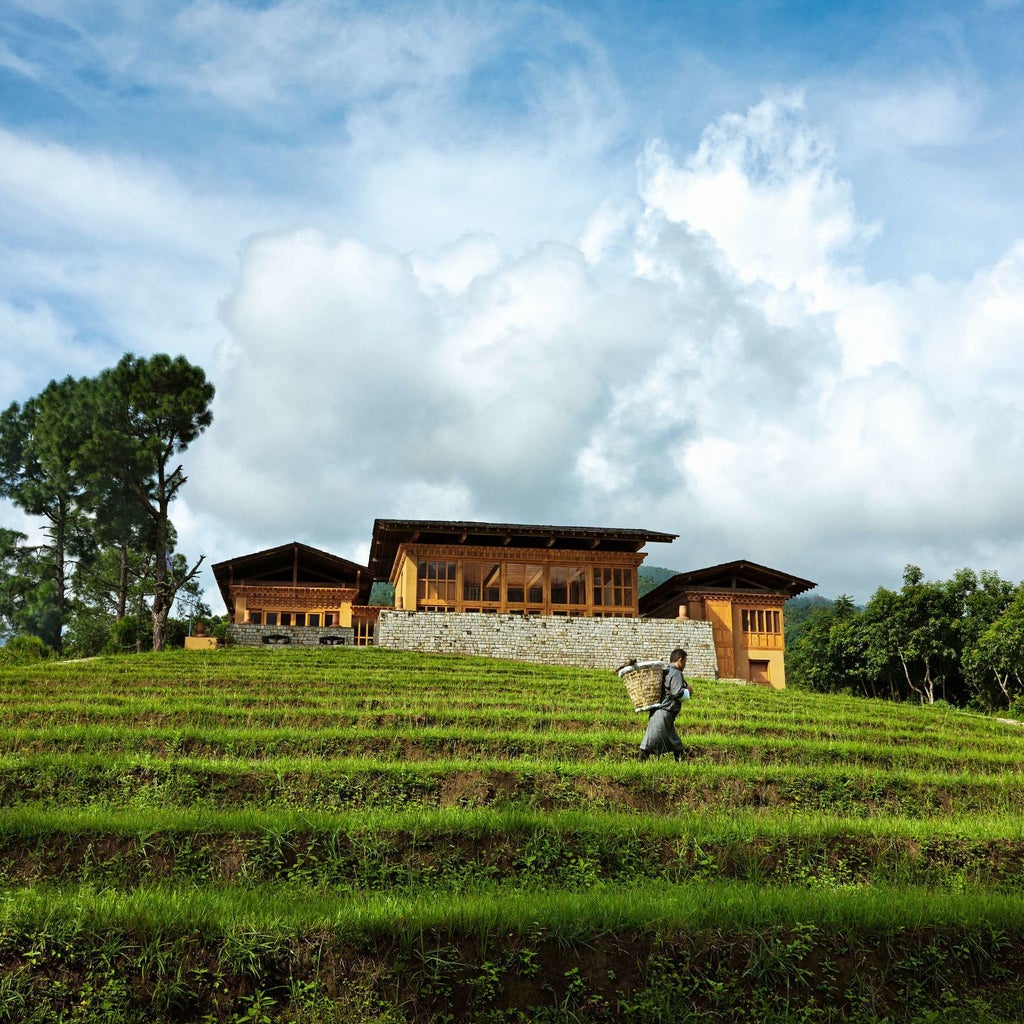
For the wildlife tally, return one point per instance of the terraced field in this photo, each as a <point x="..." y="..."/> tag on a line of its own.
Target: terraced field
<point x="364" y="835"/>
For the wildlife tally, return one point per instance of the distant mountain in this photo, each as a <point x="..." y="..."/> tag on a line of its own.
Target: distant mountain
<point x="799" y="611"/>
<point x="651" y="576"/>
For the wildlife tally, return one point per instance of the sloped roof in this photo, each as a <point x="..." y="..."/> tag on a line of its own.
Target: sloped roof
<point x="389" y="534"/>
<point x="292" y="563"/>
<point x="741" y="576"/>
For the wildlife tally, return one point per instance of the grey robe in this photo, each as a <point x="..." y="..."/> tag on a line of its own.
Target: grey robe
<point x="661" y="732"/>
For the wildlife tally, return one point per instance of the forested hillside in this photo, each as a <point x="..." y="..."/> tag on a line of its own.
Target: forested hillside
<point x="959" y="640"/>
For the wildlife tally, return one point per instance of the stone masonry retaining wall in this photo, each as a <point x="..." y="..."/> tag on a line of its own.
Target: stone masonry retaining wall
<point x="301" y="636"/>
<point x="550" y="639"/>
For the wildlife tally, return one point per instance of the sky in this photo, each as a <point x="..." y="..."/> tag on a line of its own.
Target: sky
<point x="751" y="273"/>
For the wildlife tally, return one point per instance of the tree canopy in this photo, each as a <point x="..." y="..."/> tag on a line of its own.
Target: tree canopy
<point x="959" y="640"/>
<point x="96" y="460"/>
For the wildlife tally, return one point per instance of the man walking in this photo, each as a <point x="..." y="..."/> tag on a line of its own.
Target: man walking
<point x="661" y="732"/>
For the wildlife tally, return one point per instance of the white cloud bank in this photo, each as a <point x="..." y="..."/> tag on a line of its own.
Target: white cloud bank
<point x="711" y="360"/>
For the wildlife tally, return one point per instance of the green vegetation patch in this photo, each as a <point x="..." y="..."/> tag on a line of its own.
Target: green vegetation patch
<point x="363" y="835"/>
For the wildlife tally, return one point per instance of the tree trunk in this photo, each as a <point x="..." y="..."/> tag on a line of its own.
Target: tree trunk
<point x="59" y="529"/>
<point x="122" y="584"/>
<point x="161" y="604"/>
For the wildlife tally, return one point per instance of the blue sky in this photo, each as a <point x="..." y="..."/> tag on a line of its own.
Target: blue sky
<point x="750" y="273"/>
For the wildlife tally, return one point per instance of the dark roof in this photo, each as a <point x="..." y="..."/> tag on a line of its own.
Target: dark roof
<point x="389" y="534"/>
<point x="310" y="566"/>
<point x="743" y="576"/>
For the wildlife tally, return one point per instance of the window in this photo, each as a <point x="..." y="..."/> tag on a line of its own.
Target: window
<point x="762" y="627"/>
<point x="271" y="618"/>
<point x="481" y="582"/>
<point x="256" y="617"/>
<point x="568" y="585"/>
<point x="613" y="588"/>
<point x="524" y="584"/>
<point x="761" y="620"/>
<point x="313" y="619"/>
<point x="435" y="584"/>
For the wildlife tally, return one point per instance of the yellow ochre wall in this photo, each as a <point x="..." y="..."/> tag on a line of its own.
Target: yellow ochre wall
<point x="404" y="574"/>
<point x="725" y="613"/>
<point x="772" y="651"/>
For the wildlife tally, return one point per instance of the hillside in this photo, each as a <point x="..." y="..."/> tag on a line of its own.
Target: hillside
<point x="651" y="576"/>
<point x="363" y="835"/>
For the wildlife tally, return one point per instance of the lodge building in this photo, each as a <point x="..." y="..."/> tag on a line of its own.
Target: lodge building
<point x="513" y="569"/>
<point x="744" y="603"/>
<point x="299" y="594"/>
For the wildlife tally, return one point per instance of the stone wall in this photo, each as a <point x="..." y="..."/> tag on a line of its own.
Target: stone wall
<point x="550" y="639"/>
<point x="249" y="635"/>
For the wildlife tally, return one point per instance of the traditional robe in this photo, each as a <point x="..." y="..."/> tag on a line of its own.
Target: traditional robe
<point x="661" y="732"/>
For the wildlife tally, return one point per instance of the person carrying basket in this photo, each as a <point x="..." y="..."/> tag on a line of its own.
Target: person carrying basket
<point x="661" y="732"/>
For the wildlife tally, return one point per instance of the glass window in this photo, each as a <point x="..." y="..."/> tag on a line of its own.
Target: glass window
<point x="481" y="581"/>
<point x="524" y="583"/>
<point x="613" y="587"/>
<point x="568" y="585"/>
<point x="761" y="620"/>
<point x="436" y="583"/>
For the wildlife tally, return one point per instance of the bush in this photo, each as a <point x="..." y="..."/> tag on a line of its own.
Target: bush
<point x="22" y="650"/>
<point x="132" y="633"/>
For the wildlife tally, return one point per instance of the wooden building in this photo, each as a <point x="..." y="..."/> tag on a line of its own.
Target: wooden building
<point x="295" y="585"/>
<point x="744" y="603"/>
<point x="514" y="569"/>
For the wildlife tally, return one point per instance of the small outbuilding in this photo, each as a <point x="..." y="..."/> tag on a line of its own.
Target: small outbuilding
<point x="297" y="587"/>
<point x="744" y="603"/>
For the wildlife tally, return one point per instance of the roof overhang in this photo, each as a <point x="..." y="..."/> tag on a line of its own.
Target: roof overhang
<point x="295" y="563"/>
<point x="740" y="576"/>
<point x="390" y="534"/>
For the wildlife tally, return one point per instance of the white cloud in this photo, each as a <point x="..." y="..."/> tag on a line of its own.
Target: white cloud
<point x="521" y="301"/>
<point x="763" y="185"/>
<point x="33" y="337"/>
<point x="924" y="112"/>
<point x="100" y="196"/>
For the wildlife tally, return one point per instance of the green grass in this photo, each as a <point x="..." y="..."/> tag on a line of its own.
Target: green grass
<point x="367" y="835"/>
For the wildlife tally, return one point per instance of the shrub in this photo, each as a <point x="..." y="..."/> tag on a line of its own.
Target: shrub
<point x="22" y="650"/>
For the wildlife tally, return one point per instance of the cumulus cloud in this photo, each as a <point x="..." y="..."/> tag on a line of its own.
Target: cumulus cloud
<point x="712" y="362"/>
<point x="525" y="296"/>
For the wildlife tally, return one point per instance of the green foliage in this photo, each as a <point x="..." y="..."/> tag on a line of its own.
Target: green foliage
<point x="799" y="612"/>
<point x="947" y="640"/>
<point x="94" y="459"/>
<point x="382" y="593"/>
<point x="148" y="412"/>
<point x="23" y="650"/>
<point x="651" y="576"/>
<point x="995" y="662"/>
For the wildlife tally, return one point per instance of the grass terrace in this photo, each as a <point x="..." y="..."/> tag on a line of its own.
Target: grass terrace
<point x="363" y="835"/>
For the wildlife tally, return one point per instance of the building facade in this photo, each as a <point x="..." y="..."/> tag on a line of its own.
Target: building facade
<point x="495" y="568"/>
<point x="744" y="602"/>
<point x="296" y="594"/>
<point x="299" y="594"/>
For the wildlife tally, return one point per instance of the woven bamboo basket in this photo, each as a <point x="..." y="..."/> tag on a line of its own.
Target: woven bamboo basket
<point x="643" y="682"/>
